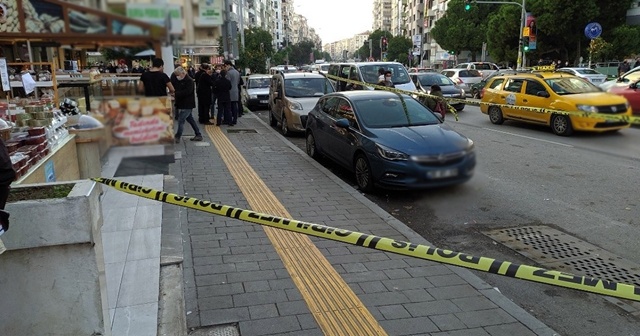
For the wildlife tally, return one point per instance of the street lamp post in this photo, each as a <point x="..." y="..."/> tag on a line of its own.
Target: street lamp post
<point x="522" y="57"/>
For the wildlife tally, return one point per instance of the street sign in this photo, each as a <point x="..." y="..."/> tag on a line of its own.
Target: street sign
<point x="593" y="30"/>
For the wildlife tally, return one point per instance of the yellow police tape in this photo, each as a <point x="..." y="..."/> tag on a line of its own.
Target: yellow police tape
<point x="614" y="117"/>
<point x="485" y="264"/>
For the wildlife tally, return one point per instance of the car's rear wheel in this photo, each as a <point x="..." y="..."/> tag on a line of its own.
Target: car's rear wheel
<point x="364" y="177"/>
<point x="495" y="115"/>
<point x="561" y="125"/>
<point x="272" y="120"/>
<point x="284" y="127"/>
<point x="312" y="149"/>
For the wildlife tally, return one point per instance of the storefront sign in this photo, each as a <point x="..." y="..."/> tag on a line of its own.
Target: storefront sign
<point x="4" y="75"/>
<point x="156" y="14"/>
<point x="210" y="12"/>
<point x="138" y="121"/>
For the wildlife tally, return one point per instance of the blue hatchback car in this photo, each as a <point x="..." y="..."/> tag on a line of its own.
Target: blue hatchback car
<point x="388" y="140"/>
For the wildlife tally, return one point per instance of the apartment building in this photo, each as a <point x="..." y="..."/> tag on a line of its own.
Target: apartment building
<point x="633" y="14"/>
<point x="347" y="48"/>
<point x="382" y="14"/>
<point x="398" y="8"/>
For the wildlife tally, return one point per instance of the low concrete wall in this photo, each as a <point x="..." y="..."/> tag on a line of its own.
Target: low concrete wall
<point x="52" y="276"/>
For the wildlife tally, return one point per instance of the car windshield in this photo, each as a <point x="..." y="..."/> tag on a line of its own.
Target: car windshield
<point x="398" y="111"/>
<point x="633" y="76"/>
<point x="307" y="87"/>
<point x="258" y="83"/>
<point x="399" y="74"/>
<point x="567" y="86"/>
<point x="428" y="80"/>
<point x="587" y="72"/>
<point x="324" y="67"/>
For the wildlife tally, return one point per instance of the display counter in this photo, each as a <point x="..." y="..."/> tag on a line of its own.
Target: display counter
<point x="84" y="91"/>
<point x="61" y="164"/>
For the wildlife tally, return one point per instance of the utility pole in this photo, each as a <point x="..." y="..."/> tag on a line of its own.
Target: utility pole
<point x="370" y="49"/>
<point x="241" y="19"/>
<point x="522" y="57"/>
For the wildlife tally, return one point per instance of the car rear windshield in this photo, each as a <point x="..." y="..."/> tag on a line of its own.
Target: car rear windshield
<point x="324" y="67"/>
<point x="428" y="80"/>
<point x="399" y="111"/>
<point x="307" y="87"/>
<point x="587" y="72"/>
<point x="370" y="74"/>
<point x="258" y="83"/>
<point x="567" y="86"/>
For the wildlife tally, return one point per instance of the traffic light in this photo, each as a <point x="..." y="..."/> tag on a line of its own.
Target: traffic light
<point x="384" y="43"/>
<point x="467" y="5"/>
<point x="525" y="43"/>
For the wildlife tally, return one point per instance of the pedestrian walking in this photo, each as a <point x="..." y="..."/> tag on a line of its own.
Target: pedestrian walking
<point x="155" y="83"/>
<point x="7" y="175"/>
<point x="234" y="77"/>
<point x="637" y="63"/>
<point x="204" y="87"/>
<point x="222" y="90"/>
<point x="185" y="102"/>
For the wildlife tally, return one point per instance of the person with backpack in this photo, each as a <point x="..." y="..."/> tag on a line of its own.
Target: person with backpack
<point x="436" y="102"/>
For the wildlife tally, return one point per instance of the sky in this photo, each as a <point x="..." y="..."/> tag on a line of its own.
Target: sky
<point x="335" y="20"/>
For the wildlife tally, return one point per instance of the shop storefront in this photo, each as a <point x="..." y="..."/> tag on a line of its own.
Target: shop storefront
<point x="55" y="119"/>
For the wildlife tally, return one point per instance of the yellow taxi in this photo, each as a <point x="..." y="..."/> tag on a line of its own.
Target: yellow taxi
<point x="555" y="91"/>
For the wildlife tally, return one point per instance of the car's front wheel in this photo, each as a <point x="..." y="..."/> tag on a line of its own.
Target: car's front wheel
<point x="364" y="177"/>
<point x="561" y="125"/>
<point x="495" y="115"/>
<point x="312" y="149"/>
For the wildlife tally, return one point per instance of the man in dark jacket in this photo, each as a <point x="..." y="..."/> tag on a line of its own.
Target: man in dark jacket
<point x="222" y="90"/>
<point x="204" y="86"/>
<point x="185" y="102"/>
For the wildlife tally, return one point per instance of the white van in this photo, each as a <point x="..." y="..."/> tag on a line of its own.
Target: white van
<point x="368" y="72"/>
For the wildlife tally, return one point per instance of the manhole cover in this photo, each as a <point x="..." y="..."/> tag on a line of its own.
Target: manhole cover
<point x="557" y="250"/>
<point x="202" y="144"/>
<point x="240" y="130"/>
<point x="225" y="330"/>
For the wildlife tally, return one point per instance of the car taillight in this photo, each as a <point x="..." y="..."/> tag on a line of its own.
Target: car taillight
<point x="482" y="93"/>
<point x="460" y="81"/>
<point x="480" y="72"/>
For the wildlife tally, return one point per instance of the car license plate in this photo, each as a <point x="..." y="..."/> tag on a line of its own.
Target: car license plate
<point x="263" y="101"/>
<point x="444" y="173"/>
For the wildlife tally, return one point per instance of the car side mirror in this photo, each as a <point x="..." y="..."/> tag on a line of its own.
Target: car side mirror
<point x="620" y="79"/>
<point x="544" y="94"/>
<point x="342" y="123"/>
<point x="633" y="86"/>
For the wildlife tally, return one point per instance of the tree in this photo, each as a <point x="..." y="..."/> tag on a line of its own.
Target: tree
<point x="300" y="53"/>
<point x="502" y="41"/>
<point x="460" y="29"/>
<point x="599" y="49"/>
<point x="398" y="49"/>
<point x="375" y="38"/>
<point x="257" y="48"/>
<point x="625" y="41"/>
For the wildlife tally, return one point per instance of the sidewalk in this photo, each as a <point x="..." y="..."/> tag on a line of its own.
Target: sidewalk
<point x="238" y="276"/>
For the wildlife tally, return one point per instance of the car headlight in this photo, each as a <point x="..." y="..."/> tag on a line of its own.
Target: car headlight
<point x="471" y="147"/>
<point x="587" y="108"/>
<point x="253" y="96"/>
<point x="391" y="154"/>
<point x="295" y="105"/>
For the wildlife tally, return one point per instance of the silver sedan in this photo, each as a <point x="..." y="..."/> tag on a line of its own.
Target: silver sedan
<point x="586" y="73"/>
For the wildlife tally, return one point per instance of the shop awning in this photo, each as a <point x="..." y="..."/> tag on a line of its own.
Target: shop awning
<point x="67" y="23"/>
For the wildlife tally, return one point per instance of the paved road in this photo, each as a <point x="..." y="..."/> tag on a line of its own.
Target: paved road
<point x="585" y="185"/>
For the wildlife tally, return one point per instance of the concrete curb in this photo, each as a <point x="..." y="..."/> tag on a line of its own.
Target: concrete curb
<point x="487" y="290"/>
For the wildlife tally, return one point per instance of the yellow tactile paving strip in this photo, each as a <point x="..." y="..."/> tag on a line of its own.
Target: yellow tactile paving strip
<point x="336" y="308"/>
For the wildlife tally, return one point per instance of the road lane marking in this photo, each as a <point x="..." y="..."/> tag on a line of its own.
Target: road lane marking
<point x="336" y="308"/>
<point x="528" y="137"/>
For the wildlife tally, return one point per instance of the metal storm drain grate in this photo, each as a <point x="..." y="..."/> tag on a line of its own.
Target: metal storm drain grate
<point x="241" y="131"/>
<point x="220" y="330"/>
<point x="559" y="251"/>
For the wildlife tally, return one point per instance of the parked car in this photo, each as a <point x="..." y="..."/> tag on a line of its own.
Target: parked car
<point x="624" y="80"/>
<point x="255" y="92"/>
<point x="421" y="70"/>
<point x="485" y="68"/>
<point x="553" y="91"/>
<point x="463" y="77"/>
<point x="320" y="68"/>
<point x="292" y="96"/>
<point x="423" y="82"/>
<point x="586" y="73"/>
<point x="389" y="140"/>
<point x="632" y="93"/>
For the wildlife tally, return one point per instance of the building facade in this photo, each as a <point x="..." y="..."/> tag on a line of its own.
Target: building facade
<point x="347" y="49"/>
<point x="398" y="8"/>
<point x="633" y="14"/>
<point x="382" y="14"/>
